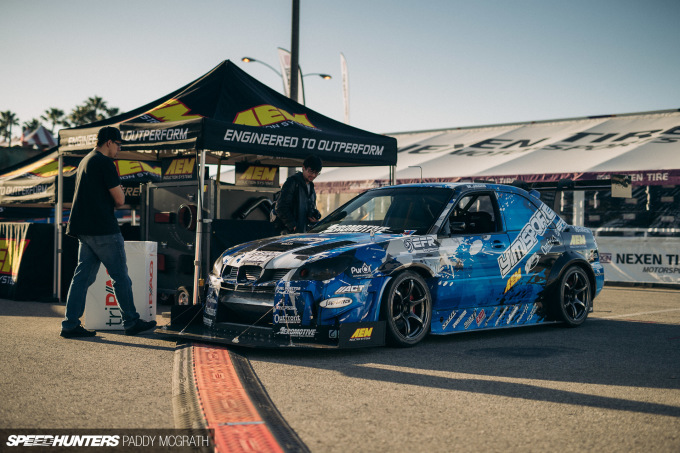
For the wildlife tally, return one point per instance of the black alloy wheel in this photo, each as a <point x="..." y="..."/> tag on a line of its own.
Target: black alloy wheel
<point x="574" y="298"/>
<point x="407" y="308"/>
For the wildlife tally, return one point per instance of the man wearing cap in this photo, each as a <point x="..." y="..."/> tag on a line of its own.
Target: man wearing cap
<point x="296" y="207"/>
<point x="92" y="221"/>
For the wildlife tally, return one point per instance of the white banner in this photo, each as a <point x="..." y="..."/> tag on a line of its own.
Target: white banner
<point x="345" y="86"/>
<point x="639" y="259"/>
<point x="284" y="60"/>
<point x="101" y="307"/>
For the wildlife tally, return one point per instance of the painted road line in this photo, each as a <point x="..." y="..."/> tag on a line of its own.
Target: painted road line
<point x="236" y="406"/>
<point x="641" y="313"/>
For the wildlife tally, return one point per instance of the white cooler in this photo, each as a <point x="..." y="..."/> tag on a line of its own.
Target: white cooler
<point x="101" y="309"/>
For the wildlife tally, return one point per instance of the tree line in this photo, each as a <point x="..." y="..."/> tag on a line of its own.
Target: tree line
<point x="91" y="110"/>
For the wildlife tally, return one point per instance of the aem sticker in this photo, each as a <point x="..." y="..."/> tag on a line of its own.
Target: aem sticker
<point x="265" y="115"/>
<point x="578" y="239"/>
<point x="362" y="333"/>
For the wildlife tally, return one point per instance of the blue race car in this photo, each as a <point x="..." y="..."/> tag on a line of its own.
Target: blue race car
<point x="397" y="263"/>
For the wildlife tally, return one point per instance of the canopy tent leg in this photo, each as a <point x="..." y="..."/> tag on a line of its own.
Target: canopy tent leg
<point x="56" y="282"/>
<point x="199" y="227"/>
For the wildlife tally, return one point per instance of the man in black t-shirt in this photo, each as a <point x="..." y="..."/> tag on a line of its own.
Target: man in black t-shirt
<point x="92" y="221"/>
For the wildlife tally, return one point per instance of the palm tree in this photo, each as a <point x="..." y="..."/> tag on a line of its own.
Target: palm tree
<point x="79" y="115"/>
<point x="113" y="111"/>
<point x="31" y="125"/>
<point x="93" y="109"/>
<point x="97" y="104"/>
<point x="54" y="116"/>
<point x="8" y="119"/>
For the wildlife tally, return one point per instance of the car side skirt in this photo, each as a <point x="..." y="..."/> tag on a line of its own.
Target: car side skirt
<point x="446" y="322"/>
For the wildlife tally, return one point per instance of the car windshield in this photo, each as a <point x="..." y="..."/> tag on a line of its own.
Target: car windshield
<point x="393" y="210"/>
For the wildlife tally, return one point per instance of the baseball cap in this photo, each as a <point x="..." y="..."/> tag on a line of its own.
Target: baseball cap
<point x="107" y="133"/>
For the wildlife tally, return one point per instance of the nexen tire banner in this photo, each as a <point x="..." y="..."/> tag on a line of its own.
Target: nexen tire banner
<point x="640" y="260"/>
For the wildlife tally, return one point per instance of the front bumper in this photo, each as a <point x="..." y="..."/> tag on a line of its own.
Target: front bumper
<point x="186" y="322"/>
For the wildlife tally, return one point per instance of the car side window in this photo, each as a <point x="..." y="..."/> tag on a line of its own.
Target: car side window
<point x="473" y="214"/>
<point x="517" y="210"/>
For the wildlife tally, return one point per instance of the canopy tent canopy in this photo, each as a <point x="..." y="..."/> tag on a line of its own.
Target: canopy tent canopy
<point x="32" y="183"/>
<point x="644" y="145"/>
<point x="235" y="119"/>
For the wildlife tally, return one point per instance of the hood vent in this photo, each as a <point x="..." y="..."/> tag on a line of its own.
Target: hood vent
<point x="309" y="251"/>
<point x="281" y="246"/>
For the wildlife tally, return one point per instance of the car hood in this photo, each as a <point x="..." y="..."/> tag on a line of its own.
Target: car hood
<point x="293" y="251"/>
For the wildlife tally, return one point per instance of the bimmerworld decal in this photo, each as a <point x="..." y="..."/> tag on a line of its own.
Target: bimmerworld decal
<point x="266" y="115"/>
<point x="526" y="240"/>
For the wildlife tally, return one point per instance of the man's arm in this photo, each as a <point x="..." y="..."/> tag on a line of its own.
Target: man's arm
<point x="284" y="207"/>
<point x="118" y="196"/>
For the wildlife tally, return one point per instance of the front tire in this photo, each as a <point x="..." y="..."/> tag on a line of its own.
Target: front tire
<point x="574" y="297"/>
<point x="407" y="309"/>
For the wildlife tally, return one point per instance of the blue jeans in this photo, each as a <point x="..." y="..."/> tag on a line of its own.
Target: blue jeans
<point x="93" y="250"/>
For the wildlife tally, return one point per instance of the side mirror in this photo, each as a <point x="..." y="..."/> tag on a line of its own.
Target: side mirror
<point x="457" y="227"/>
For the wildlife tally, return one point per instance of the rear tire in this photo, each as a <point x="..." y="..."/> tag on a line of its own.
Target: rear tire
<point x="407" y="309"/>
<point x="574" y="297"/>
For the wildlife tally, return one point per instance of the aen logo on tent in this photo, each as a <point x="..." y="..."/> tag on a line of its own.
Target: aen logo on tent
<point x="258" y="173"/>
<point x="11" y="251"/>
<point x="264" y="115"/>
<point x="172" y="110"/>
<point x="181" y="167"/>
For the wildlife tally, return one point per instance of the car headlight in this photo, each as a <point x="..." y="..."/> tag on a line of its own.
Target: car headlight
<point x="324" y="269"/>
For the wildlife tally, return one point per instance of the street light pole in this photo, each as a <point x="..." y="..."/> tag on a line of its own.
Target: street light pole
<point x="253" y="60"/>
<point x="323" y="76"/>
<point x="295" y="51"/>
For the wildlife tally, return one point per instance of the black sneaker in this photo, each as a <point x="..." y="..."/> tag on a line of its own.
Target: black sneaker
<point x="140" y="326"/>
<point x="79" y="331"/>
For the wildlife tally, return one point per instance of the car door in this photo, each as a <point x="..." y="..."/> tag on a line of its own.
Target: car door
<point x="471" y="242"/>
<point x="535" y="241"/>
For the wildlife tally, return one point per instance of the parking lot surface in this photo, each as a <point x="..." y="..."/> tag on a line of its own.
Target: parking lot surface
<point x="612" y="384"/>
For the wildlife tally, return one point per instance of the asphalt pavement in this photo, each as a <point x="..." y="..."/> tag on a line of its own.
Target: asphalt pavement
<point x="612" y="384"/>
<point x="108" y="381"/>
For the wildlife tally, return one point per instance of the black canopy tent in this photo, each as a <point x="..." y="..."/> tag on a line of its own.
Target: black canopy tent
<point x="227" y="117"/>
<point x="235" y="118"/>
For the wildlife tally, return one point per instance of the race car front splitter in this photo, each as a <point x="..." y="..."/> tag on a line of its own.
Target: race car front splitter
<point x="187" y="322"/>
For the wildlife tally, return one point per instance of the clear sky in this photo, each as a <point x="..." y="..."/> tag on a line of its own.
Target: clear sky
<point x="413" y="65"/>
